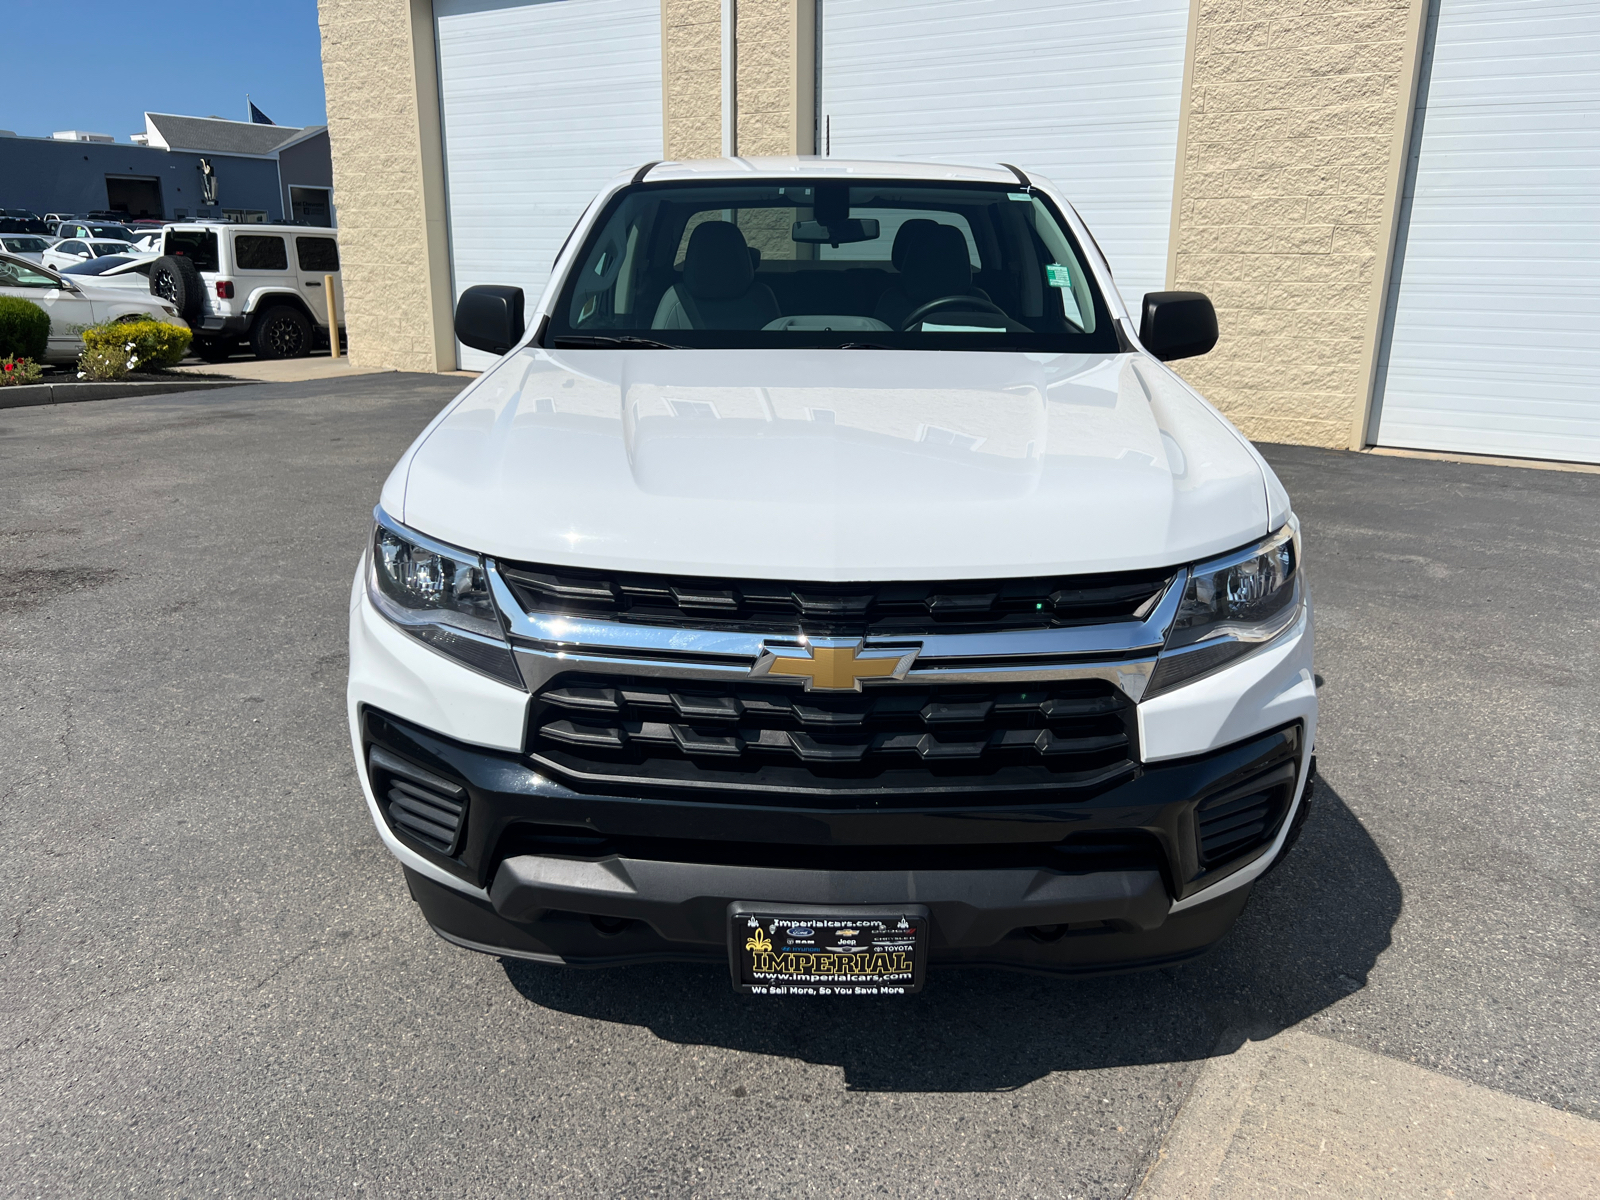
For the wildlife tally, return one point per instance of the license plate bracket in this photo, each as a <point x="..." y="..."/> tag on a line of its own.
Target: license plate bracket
<point x="777" y="949"/>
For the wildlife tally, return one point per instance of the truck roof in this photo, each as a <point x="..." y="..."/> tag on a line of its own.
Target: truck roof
<point x="812" y="167"/>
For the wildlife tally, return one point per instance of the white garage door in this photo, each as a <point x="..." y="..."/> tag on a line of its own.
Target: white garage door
<point x="542" y="103"/>
<point x="1495" y="346"/>
<point x="1085" y="92"/>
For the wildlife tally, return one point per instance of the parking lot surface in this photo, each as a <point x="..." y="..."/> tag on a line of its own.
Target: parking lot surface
<point x="212" y="981"/>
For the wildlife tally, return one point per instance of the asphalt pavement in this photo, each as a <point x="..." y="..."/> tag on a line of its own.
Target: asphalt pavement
<point x="212" y="981"/>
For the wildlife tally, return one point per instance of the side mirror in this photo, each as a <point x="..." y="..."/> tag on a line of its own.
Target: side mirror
<point x="1177" y="324"/>
<point x="489" y="317"/>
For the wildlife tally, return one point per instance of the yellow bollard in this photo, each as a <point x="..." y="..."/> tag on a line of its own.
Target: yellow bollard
<point x="333" y="315"/>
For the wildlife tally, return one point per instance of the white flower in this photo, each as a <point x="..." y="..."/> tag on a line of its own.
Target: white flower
<point x="83" y="375"/>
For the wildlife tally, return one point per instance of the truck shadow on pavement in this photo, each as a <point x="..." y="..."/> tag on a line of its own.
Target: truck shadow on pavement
<point x="1310" y="934"/>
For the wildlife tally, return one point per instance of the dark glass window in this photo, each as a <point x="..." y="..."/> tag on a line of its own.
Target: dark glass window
<point x="98" y="266"/>
<point x="317" y="253"/>
<point x="896" y="264"/>
<point x="253" y="252"/>
<point x="197" y="245"/>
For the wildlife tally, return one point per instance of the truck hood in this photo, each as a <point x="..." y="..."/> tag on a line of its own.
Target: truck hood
<point x="833" y="465"/>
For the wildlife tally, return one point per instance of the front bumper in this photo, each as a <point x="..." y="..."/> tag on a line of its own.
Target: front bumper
<point x="653" y="878"/>
<point x="540" y="871"/>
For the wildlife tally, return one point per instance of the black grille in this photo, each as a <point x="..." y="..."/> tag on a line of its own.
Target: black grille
<point x="1241" y="818"/>
<point x="418" y="803"/>
<point x="761" y="737"/>
<point x="848" y="608"/>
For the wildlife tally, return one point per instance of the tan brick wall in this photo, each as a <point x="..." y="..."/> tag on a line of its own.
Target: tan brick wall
<point x="1288" y="185"/>
<point x="776" y="76"/>
<point x="388" y="181"/>
<point x="691" y="73"/>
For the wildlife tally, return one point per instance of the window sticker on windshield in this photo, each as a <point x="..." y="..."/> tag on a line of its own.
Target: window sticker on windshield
<point x="1058" y="275"/>
<point x="1023" y="196"/>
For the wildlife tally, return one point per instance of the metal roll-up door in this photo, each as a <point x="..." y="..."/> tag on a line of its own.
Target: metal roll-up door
<point x="1493" y="337"/>
<point x="1085" y="92"/>
<point x="541" y="103"/>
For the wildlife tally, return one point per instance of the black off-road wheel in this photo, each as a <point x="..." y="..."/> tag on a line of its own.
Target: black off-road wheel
<point x="176" y="281"/>
<point x="281" y="332"/>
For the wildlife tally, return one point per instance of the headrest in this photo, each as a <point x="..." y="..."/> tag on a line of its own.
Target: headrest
<point x="906" y="237"/>
<point x="717" y="264"/>
<point x="937" y="265"/>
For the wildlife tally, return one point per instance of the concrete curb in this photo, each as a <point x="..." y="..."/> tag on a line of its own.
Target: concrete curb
<point x="1302" y="1115"/>
<point x="69" y="393"/>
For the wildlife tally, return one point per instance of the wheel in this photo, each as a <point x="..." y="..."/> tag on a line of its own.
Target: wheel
<point x="176" y="281"/>
<point x="213" y="351"/>
<point x="969" y="303"/>
<point x="281" y="332"/>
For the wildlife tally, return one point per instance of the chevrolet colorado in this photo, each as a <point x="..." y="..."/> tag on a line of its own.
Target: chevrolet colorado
<point x="831" y="579"/>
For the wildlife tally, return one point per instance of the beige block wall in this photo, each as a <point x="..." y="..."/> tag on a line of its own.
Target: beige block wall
<point x="691" y="74"/>
<point x="378" y="66"/>
<point x="776" y="76"/>
<point x="1289" y="176"/>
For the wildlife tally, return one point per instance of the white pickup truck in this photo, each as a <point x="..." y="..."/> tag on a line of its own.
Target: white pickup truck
<point x="832" y="580"/>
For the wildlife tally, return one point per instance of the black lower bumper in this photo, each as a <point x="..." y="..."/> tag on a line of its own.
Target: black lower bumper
<point x="587" y="880"/>
<point x="1086" y="945"/>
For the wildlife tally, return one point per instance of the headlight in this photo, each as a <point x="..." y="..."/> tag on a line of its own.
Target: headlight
<point x="1231" y="606"/>
<point x="440" y="596"/>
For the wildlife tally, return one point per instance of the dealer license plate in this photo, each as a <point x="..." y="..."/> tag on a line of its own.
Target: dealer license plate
<point x="800" y="950"/>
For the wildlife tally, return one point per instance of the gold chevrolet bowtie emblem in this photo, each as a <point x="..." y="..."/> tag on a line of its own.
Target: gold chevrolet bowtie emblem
<point x="834" y="664"/>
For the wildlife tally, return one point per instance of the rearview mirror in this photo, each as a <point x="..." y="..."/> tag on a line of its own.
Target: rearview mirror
<point x="859" y="229"/>
<point x="1177" y="324"/>
<point x="489" y="317"/>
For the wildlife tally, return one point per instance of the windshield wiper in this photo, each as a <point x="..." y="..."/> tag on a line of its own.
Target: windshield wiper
<point x="862" y="346"/>
<point x="599" y="342"/>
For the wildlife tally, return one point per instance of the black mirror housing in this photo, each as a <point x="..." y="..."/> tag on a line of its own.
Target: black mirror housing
<point x="858" y="229"/>
<point x="489" y="317"/>
<point x="1178" y="324"/>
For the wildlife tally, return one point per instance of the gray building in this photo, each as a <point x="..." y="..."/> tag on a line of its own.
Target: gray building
<point x="261" y="173"/>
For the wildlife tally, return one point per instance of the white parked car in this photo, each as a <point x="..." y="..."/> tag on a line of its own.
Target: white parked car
<point x="90" y="229"/>
<point x="30" y="246"/>
<point x="72" y="251"/>
<point x="879" y="602"/>
<point x="258" y="283"/>
<point x="76" y="304"/>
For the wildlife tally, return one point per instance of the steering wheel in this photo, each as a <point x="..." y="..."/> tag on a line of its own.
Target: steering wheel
<point x="970" y="303"/>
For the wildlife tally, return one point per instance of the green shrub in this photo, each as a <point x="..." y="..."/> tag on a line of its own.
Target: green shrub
<point x="101" y="363"/>
<point x="24" y="328"/>
<point x="15" y="371"/>
<point x="142" y="345"/>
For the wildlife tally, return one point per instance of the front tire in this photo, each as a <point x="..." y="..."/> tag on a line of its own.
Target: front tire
<point x="281" y="332"/>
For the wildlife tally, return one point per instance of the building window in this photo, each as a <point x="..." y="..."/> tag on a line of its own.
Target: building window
<point x="312" y="206"/>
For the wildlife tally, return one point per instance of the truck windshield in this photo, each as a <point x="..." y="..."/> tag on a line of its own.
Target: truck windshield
<point x="893" y="265"/>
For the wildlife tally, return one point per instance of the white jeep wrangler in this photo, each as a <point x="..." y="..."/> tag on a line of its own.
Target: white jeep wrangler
<point x="261" y="283"/>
